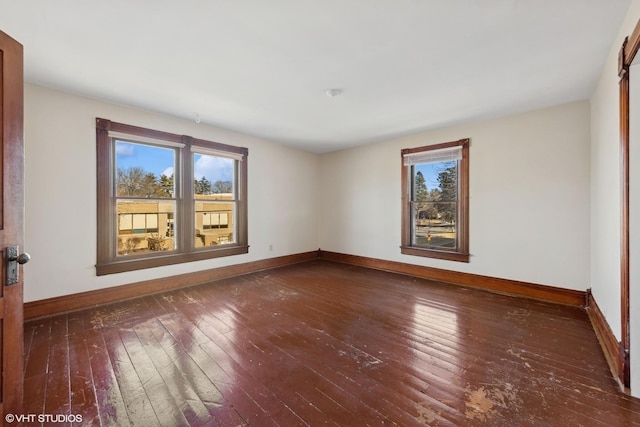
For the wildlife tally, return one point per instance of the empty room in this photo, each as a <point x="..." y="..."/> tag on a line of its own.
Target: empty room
<point x="355" y="213"/>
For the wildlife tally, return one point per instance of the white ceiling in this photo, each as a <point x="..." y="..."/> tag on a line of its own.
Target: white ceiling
<point x="262" y="67"/>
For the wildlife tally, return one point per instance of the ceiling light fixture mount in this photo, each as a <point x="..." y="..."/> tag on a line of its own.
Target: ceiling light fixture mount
<point x="332" y="93"/>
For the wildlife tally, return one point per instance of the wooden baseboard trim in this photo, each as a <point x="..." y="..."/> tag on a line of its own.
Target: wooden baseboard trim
<point x="610" y="345"/>
<point x="66" y="303"/>
<point x="493" y="284"/>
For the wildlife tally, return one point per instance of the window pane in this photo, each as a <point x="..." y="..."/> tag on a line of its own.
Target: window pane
<point x="145" y="226"/>
<point x="125" y="223"/>
<point x="434" y="205"/>
<point x="139" y="223"/>
<point x="152" y="221"/>
<point x="434" y="225"/>
<point x="214" y="223"/>
<point x="144" y="170"/>
<point x="213" y="177"/>
<point x="435" y="182"/>
<point x="214" y="192"/>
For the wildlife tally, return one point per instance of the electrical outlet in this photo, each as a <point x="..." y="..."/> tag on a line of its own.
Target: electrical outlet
<point x="270" y="248"/>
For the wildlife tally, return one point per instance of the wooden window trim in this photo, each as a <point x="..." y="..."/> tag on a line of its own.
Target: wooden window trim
<point x="107" y="262"/>
<point x="406" y="248"/>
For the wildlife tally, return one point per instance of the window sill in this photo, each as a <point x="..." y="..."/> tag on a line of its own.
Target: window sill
<point x="431" y="253"/>
<point x="125" y="265"/>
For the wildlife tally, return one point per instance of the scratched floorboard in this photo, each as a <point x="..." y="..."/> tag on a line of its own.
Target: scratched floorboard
<point x="321" y="343"/>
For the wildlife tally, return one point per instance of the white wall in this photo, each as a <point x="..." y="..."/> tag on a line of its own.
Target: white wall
<point x="60" y="190"/>
<point x="605" y="181"/>
<point x="529" y="197"/>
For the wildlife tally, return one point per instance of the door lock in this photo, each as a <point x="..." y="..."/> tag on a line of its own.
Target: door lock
<point x="12" y="260"/>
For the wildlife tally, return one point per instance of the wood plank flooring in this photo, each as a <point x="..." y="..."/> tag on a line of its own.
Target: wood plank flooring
<point x="322" y="343"/>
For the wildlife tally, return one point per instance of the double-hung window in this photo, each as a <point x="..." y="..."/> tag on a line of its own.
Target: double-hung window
<point x="435" y="201"/>
<point x="166" y="199"/>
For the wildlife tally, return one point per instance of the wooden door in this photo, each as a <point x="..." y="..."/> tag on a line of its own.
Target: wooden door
<point x="11" y="223"/>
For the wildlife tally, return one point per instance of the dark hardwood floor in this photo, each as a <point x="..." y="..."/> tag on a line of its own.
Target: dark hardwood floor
<point x="323" y="343"/>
